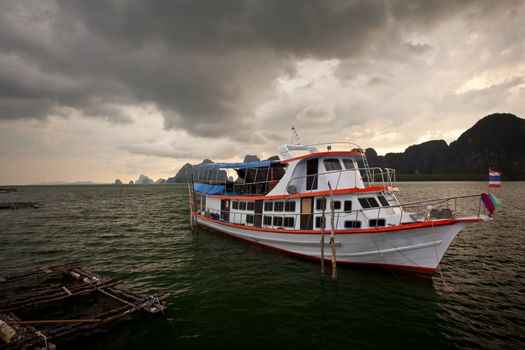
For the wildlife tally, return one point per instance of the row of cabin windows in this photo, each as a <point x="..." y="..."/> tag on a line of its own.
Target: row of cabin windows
<point x="321" y="204"/>
<point x="354" y="223"/>
<point x="241" y="205"/>
<point x="279" y="221"/>
<point x="279" y="206"/>
<point x="366" y="202"/>
<point x="333" y="164"/>
<point x="371" y="202"/>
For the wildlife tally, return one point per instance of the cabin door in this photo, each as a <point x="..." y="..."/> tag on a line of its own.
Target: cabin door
<point x="225" y="209"/>
<point x="307" y="216"/>
<point x="257" y="220"/>
<point x="312" y="168"/>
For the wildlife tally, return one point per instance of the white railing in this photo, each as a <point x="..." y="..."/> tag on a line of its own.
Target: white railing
<point x="385" y="177"/>
<point x="418" y="211"/>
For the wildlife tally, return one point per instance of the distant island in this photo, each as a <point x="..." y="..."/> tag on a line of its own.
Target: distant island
<point x="497" y="141"/>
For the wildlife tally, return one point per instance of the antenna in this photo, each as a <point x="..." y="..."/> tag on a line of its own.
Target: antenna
<point x="294" y="137"/>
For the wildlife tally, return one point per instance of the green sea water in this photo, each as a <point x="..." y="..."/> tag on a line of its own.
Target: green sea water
<point x="226" y="294"/>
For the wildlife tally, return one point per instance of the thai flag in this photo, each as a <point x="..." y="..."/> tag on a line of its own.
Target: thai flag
<point x="494" y="178"/>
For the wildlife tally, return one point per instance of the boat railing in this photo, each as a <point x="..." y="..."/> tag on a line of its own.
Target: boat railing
<point x="375" y="176"/>
<point x="417" y="211"/>
<point x="337" y="146"/>
<point x="261" y="180"/>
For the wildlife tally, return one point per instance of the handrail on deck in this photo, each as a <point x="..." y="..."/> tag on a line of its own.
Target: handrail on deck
<point x="388" y="176"/>
<point x="355" y="214"/>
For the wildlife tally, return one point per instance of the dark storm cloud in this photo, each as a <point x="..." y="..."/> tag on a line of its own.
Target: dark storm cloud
<point x="206" y="65"/>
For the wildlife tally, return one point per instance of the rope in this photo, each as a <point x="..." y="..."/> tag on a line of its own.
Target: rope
<point x="40" y="334"/>
<point x="437" y="260"/>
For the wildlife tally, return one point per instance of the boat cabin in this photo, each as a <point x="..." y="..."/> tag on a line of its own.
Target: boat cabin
<point x="294" y="193"/>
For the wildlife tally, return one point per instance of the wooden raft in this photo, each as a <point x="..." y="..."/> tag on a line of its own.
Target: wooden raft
<point x="52" y="305"/>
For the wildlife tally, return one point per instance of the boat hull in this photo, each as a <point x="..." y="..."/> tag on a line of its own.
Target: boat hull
<point x="415" y="247"/>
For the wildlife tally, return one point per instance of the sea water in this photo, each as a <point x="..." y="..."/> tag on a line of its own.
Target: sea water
<point x="226" y="294"/>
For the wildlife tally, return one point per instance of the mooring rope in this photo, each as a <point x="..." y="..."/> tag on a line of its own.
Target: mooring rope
<point x="40" y="334"/>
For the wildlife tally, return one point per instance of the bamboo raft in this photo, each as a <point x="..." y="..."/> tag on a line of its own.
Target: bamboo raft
<point x="54" y="305"/>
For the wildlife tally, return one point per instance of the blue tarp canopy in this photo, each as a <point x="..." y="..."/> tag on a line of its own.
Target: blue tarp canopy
<point x="262" y="163"/>
<point x="208" y="189"/>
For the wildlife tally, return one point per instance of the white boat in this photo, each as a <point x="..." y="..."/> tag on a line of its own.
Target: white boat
<point x="281" y="203"/>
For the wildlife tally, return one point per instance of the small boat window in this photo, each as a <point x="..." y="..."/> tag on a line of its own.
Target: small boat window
<point x="249" y="219"/>
<point x="268" y="206"/>
<point x="376" y="222"/>
<point x="348" y="163"/>
<point x="267" y="220"/>
<point x="352" y="224"/>
<point x="318" y="221"/>
<point x="289" y="206"/>
<point x="332" y="164"/>
<point x="242" y="205"/>
<point x="250" y="206"/>
<point x="278" y="206"/>
<point x="368" y="202"/>
<point x="235" y="205"/>
<point x="320" y="204"/>
<point x="383" y="201"/>
<point x="289" y="222"/>
<point x="348" y="206"/>
<point x="277" y="221"/>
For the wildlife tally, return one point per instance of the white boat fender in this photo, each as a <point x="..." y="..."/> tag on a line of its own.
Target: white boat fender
<point x="7" y="333"/>
<point x="74" y="274"/>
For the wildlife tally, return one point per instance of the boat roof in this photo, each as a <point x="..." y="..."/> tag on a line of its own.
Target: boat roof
<point x="243" y="165"/>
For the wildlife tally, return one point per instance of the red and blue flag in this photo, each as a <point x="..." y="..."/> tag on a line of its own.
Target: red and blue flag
<point x="494" y="178"/>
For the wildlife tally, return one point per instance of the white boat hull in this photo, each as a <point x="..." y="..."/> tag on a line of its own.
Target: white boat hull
<point x="418" y="247"/>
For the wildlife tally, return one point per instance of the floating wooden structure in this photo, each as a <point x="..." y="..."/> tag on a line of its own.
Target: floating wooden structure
<point x="57" y="304"/>
<point x="19" y="205"/>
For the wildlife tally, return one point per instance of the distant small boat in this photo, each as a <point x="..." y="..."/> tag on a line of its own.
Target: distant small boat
<point x="19" y="205"/>
<point x="284" y="204"/>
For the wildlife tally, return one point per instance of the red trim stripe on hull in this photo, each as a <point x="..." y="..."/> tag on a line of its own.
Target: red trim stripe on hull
<point x="306" y="194"/>
<point x="406" y="268"/>
<point x="404" y="227"/>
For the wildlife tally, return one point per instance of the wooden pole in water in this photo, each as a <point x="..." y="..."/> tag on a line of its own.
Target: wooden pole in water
<point x="323" y="221"/>
<point x="194" y="201"/>
<point x="332" y="236"/>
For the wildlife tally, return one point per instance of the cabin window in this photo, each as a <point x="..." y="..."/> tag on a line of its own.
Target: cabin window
<point x="368" y="202"/>
<point x="289" y="206"/>
<point x="352" y="224"/>
<point x="332" y="164"/>
<point x="268" y="206"/>
<point x="289" y="222"/>
<point x="348" y="206"/>
<point x="250" y="206"/>
<point x="318" y="221"/>
<point x="383" y="201"/>
<point x="235" y="205"/>
<point x="376" y="222"/>
<point x="337" y="205"/>
<point x="320" y="204"/>
<point x="277" y="221"/>
<point x="242" y="205"/>
<point x="249" y="219"/>
<point x="267" y="220"/>
<point x="349" y="164"/>
<point x="278" y="206"/>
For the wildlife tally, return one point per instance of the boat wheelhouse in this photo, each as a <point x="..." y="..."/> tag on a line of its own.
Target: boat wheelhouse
<point x="285" y="204"/>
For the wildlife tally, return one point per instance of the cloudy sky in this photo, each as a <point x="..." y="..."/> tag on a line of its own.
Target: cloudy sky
<point x="95" y="90"/>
